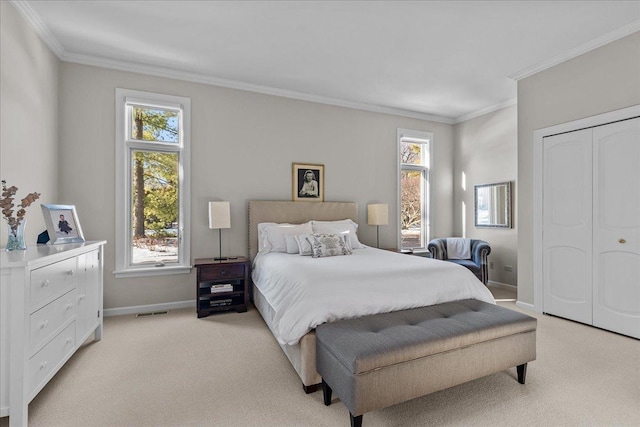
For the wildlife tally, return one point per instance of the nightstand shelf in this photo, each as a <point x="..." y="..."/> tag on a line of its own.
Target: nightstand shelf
<point x="231" y="277"/>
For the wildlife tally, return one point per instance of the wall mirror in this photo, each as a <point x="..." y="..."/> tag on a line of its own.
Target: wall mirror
<point x="492" y="205"/>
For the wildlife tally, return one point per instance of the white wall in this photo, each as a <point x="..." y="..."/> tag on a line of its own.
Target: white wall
<point x="243" y="145"/>
<point x="605" y="79"/>
<point x="28" y="117"/>
<point x="486" y="151"/>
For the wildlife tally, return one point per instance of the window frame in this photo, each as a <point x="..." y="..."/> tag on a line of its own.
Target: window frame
<point x="425" y="221"/>
<point x="125" y="146"/>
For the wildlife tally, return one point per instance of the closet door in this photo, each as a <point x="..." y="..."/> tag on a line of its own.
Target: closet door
<point x="616" y="291"/>
<point x="567" y="224"/>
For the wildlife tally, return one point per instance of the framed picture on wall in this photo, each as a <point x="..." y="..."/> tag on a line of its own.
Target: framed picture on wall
<point x="308" y="182"/>
<point x="63" y="225"/>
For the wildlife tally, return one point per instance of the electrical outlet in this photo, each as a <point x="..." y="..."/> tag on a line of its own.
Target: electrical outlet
<point x="508" y="268"/>
<point x="491" y="265"/>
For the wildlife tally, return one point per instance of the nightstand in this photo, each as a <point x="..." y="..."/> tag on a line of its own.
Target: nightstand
<point x="221" y="285"/>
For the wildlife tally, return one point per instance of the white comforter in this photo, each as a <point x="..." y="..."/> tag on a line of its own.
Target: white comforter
<point x="305" y="292"/>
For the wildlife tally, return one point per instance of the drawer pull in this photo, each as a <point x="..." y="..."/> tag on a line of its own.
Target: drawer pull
<point x="44" y="283"/>
<point x="69" y="306"/>
<point x="82" y="296"/>
<point x="70" y="272"/>
<point x="44" y="324"/>
<point x="69" y="340"/>
<point x="43" y="365"/>
<point x="622" y="241"/>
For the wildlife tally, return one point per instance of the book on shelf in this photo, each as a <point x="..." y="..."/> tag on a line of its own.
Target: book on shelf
<point x="220" y="302"/>
<point x="226" y="287"/>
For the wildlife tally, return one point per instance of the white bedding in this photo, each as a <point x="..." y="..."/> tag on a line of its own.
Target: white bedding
<point x="306" y="292"/>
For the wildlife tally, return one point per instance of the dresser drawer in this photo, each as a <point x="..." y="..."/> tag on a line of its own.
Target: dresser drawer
<point x="221" y="272"/>
<point x="46" y="360"/>
<point x="44" y="322"/>
<point x="53" y="280"/>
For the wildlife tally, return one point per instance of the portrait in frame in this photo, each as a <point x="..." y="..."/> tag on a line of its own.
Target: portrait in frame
<point x="308" y="182"/>
<point x="62" y="223"/>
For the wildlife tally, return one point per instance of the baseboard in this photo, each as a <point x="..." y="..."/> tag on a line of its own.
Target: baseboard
<point x="525" y="305"/>
<point x="501" y="285"/>
<point x="134" y="309"/>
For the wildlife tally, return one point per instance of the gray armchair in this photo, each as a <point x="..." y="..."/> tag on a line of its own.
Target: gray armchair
<point x="478" y="262"/>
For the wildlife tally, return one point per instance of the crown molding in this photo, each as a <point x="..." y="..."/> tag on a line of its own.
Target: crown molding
<point x="486" y="110"/>
<point x="577" y="51"/>
<point x="32" y="17"/>
<point x="233" y="84"/>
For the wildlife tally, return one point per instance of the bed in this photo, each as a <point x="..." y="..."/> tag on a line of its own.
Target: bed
<point x="294" y="294"/>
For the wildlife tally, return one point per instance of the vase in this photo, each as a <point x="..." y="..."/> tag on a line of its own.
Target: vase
<point x="16" y="241"/>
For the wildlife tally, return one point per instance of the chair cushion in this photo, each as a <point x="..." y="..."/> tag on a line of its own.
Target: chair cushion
<point x="371" y="342"/>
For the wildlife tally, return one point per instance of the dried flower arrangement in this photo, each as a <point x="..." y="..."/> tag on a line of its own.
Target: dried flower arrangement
<point x="6" y="204"/>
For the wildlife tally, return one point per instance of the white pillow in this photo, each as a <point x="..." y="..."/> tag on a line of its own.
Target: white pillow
<point x="292" y="244"/>
<point x="262" y="243"/>
<point x="346" y="227"/>
<point x="274" y="235"/>
<point x="304" y="247"/>
<point x="324" y="245"/>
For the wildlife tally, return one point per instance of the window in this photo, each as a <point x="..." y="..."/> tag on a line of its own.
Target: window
<point x="414" y="154"/>
<point x="152" y="184"/>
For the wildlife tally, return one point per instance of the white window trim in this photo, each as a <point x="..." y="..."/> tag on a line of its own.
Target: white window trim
<point x="123" y="184"/>
<point x="427" y="215"/>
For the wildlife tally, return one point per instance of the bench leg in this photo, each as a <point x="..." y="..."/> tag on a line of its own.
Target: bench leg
<point x="355" y="421"/>
<point x="326" y="393"/>
<point x="522" y="373"/>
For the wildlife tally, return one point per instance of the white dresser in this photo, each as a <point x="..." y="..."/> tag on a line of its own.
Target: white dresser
<point x="50" y="303"/>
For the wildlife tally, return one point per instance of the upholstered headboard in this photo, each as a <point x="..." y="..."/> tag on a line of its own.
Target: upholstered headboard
<point x="294" y="213"/>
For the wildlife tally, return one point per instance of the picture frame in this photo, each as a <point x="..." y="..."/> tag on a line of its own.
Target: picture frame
<point x="308" y="182"/>
<point x="62" y="223"/>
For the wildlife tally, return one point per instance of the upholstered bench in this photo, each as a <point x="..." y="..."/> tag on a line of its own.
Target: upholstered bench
<point x="377" y="361"/>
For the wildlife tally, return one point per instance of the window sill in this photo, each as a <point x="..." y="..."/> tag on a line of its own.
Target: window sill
<point x="152" y="271"/>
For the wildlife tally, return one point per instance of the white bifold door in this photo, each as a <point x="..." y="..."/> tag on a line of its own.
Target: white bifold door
<point x="591" y="226"/>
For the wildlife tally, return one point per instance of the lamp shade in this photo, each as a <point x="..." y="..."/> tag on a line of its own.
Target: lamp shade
<point x="378" y="214"/>
<point x="219" y="215"/>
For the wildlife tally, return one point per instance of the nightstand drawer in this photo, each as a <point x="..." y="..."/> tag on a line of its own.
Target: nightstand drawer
<point x="218" y="272"/>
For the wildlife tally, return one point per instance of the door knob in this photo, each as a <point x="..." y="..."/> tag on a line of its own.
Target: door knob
<point x="622" y="241"/>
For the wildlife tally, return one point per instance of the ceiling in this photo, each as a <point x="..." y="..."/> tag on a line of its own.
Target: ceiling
<point x="442" y="60"/>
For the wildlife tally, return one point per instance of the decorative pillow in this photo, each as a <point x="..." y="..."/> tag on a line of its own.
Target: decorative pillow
<point x="274" y="235"/>
<point x="324" y="245"/>
<point x="304" y="247"/>
<point x="345" y="227"/>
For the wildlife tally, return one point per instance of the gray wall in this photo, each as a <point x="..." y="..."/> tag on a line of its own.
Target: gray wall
<point x="486" y="151"/>
<point x="602" y="80"/>
<point x="28" y="117"/>
<point x="243" y="144"/>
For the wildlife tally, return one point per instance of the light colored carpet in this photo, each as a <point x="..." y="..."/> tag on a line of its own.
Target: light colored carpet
<point x="227" y="370"/>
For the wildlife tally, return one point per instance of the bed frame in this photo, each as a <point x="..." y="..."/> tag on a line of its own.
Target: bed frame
<point x="302" y="355"/>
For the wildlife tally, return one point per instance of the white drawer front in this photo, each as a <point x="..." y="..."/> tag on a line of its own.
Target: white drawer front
<point x="44" y="322"/>
<point x="53" y="280"/>
<point x="44" y="361"/>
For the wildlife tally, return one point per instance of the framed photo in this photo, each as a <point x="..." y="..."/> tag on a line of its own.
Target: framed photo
<point x="62" y="224"/>
<point x="308" y="182"/>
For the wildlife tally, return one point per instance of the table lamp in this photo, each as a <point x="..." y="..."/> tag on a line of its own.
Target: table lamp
<point x="378" y="214"/>
<point x="219" y="218"/>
